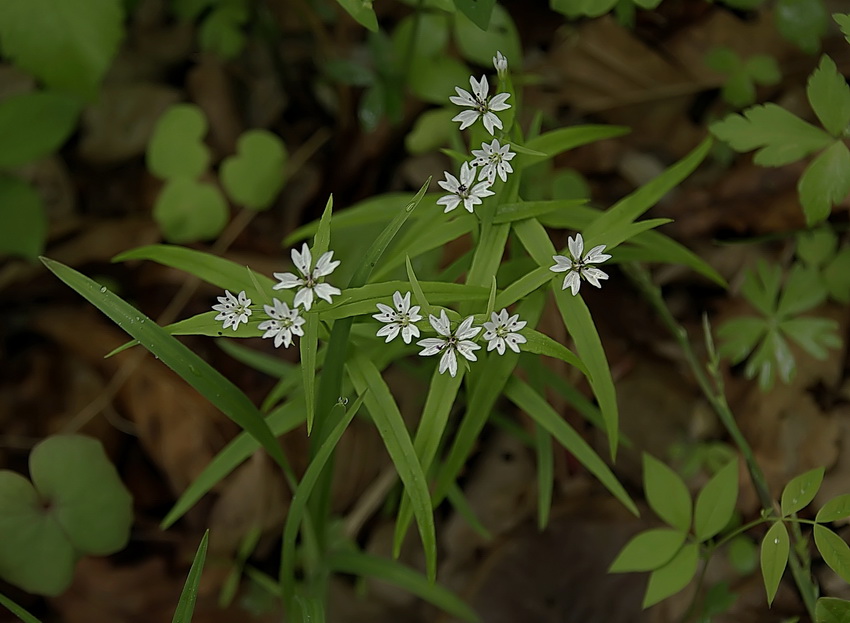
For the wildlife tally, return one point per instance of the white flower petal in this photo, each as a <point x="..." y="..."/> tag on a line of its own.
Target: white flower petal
<point x="463" y="98"/>
<point x="596" y="255"/>
<point x="325" y="291"/>
<point x="498" y="104"/>
<point x="409" y="332"/>
<point x="325" y="266"/>
<point x="431" y="346"/>
<point x="302" y="260"/>
<point x="466" y="330"/>
<point x="481" y="89"/>
<point x="466" y="348"/>
<point x="562" y="264"/>
<point x="287" y="280"/>
<point x="576" y="246"/>
<point x="572" y="281"/>
<point x="441" y="325"/>
<point x="466" y="118"/>
<point x="390" y="330"/>
<point x="450" y="201"/>
<point x="304" y="297"/>
<point x="593" y="275"/>
<point x="449" y="362"/>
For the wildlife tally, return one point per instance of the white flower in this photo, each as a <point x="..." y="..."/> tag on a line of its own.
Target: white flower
<point x="502" y="330"/>
<point x="493" y="159"/>
<point x="500" y="63"/>
<point x="233" y="310"/>
<point x="309" y="281"/>
<point x="283" y="323"/>
<point x="482" y="105"/>
<point x="577" y="267"/>
<point x="400" y="319"/>
<point x="463" y="191"/>
<point x="450" y="344"/>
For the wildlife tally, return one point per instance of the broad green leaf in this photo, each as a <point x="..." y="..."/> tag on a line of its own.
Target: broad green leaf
<point x="817" y="246"/>
<point x="666" y="493"/>
<point x="431" y="130"/>
<point x="188" y="210"/>
<point x="836" y="276"/>
<point x="442" y="393"/>
<point x="802" y="292"/>
<point x="743" y="554"/>
<point x="362" y="12"/>
<point x="780" y="137"/>
<point x="177" y="149"/>
<point x="479" y="44"/>
<point x="15" y="609"/>
<point x="825" y="182"/>
<point x="524" y="396"/>
<point x="189" y="594"/>
<point x="774" y="557"/>
<point x="34" y="125"/>
<point x="368" y="566"/>
<point x="739" y="337"/>
<point x="672" y="577"/>
<point x="837" y="508"/>
<point x="66" y="45"/>
<point x="814" y="335"/>
<point x="253" y="176"/>
<point x="829" y="96"/>
<point x="832" y="610"/>
<point x="739" y="89"/>
<point x="96" y="519"/>
<point x="432" y="79"/>
<point x="561" y="140"/>
<point x="510" y="212"/>
<point x="424" y="34"/>
<point x="24" y="229"/>
<point x="648" y="550"/>
<point x="800" y="491"/>
<point x="478" y="11"/>
<point x="223" y="394"/>
<point x="834" y="550"/>
<point x="716" y="502"/>
<point x="843" y="21"/>
<point x="803" y="22"/>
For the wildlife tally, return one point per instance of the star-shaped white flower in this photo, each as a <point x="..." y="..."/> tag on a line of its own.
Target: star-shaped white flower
<point x="283" y="323"/>
<point x="233" y="310"/>
<point x="501" y="331"/>
<point x="483" y="106"/>
<point x="465" y="191"/>
<point x="308" y="282"/>
<point x="500" y="63"/>
<point x="450" y="343"/>
<point x="493" y="159"/>
<point x="577" y="267"/>
<point x="400" y="319"/>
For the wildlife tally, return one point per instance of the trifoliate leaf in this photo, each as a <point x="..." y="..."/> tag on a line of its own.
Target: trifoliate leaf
<point x="837" y="508"/>
<point x="716" y="502"/>
<point x="66" y="45"/>
<point x="188" y="210"/>
<point x="761" y="286"/>
<point x="829" y="96"/>
<point x="800" y="491"/>
<point x="763" y="69"/>
<point x="739" y="336"/>
<point x="253" y="176"/>
<point x="24" y="227"/>
<point x="176" y="148"/>
<point x="803" y="290"/>
<point x="478" y="11"/>
<point x="802" y="22"/>
<point x="814" y="335"/>
<point x="843" y="21"/>
<point x="816" y="247"/>
<point x="780" y="136"/>
<point x="825" y="182"/>
<point x="836" y="276"/>
<point x="34" y="125"/>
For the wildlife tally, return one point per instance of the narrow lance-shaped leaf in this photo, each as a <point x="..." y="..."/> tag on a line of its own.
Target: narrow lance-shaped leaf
<point x="648" y="550"/>
<point x="189" y="595"/>
<point x="666" y="493"/>
<point x="672" y="577"/>
<point x="836" y="508"/>
<point x="834" y="550"/>
<point x="774" y="557"/>
<point x="17" y="610"/>
<point x="716" y="502"/>
<point x="801" y="490"/>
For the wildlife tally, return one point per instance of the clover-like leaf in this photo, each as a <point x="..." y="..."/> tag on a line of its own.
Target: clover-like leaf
<point x="780" y="137"/>
<point x="825" y="182"/>
<point x="774" y="557"/>
<point x="253" y="176"/>
<point x="672" y="577"/>
<point x="801" y="490"/>
<point x="176" y="148"/>
<point x="829" y="96"/>
<point x="24" y="227"/>
<point x="837" y="508"/>
<point x="648" y="550"/>
<point x="666" y="493"/>
<point x="221" y="31"/>
<point x="817" y="246"/>
<point x="834" y="550"/>
<point x="188" y="210"/>
<point x="802" y="22"/>
<point x="716" y="502"/>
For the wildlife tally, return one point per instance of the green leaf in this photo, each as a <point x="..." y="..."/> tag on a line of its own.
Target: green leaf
<point x="743" y="554"/>
<point x="24" y="229"/>
<point x="829" y="96"/>
<point x="666" y="493"/>
<point x="739" y="337"/>
<point x="563" y="139"/>
<point x="843" y="21"/>
<point x="424" y="34"/>
<point x="722" y="59"/>
<point x="837" y="508"/>
<point x="66" y="45"/>
<point x="308" y="346"/>
<point x="97" y="519"/>
<point x="773" y="355"/>
<point x="802" y="22"/>
<point x="365" y="565"/>
<point x="800" y="491"/>
<point x="780" y="137"/>
<point x="582" y="8"/>
<point x="253" y="176"/>
<point x="761" y="286"/>
<point x="545" y="475"/>
<point x="825" y="182"/>
<point x="814" y="335"/>
<point x="834" y="550"/>
<point x="817" y="246"/>
<point x="222" y="30"/>
<point x="653" y="246"/>
<point x="432" y="79"/>
<point x="716" y="502"/>
<point x="195" y="371"/>
<point x="15" y="609"/>
<point x="431" y="130"/>
<point x="478" y="11"/>
<point x="541" y="344"/>
<point x="672" y="577"/>
<point x="511" y="212"/>
<point x="479" y="44"/>
<point x="34" y="125"/>
<point x="189" y="594"/>
<point x="648" y="550"/>
<point x="188" y="210"/>
<point x="176" y="148"/>
<point x="764" y="69"/>
<point x="832" y="609"/>
<point x="836" y="276"/>
<point x="361" y="11"/>
<point x="739" y="89"/>
<point x="774" y="557"/>
<point x="802" y="292"/>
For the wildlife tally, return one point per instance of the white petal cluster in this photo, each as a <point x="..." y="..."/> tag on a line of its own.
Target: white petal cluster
<point x="483" y="106"/>
<point x="500" y="63"/>
<point x="465" y="191"/>
<point x="503" y="331"/>
<point x="283" y="323"/>
<point x="233" y="309"/>
<point x="577" y="267"/>
<point x="450" y="344"/>
<point x="493" y="158"/>
<point x="399" y="320"/>
<point x="308" y="282"/>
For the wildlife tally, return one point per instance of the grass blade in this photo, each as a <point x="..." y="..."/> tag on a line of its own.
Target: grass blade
<point x="186" y="604"/>
<point x="15" y="609"/>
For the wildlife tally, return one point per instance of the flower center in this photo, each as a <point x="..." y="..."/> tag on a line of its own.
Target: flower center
<point x="502" y="331"/>
<point x="239" y="310"/>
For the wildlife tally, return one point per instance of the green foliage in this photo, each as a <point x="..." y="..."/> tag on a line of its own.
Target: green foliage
<point x="834" y="550"/>
<point x="673" y="576"/>
<point x="764" y="339"/>
<point x="782" y="138"/>
<point x="666" y="493"/>
<point x="362" y="11"/>
<point x="843" y="21"/>
<point x="221" y="30"/>
<point x="803" y="22"/>
<point x="176" y="148"/>
<point x="34" y="125"/>
<point x="800" y="491"/>
<point x="18" y="611"/>
<point x="596" y="8"/>
<point x="189" y="594"/>
<point x="253" y="176"/>
<point x="60" y="515"/>
<point x="649" y="550"/>
<point x="716" y="502"/>
<point x="832" y="610"/>
<point x="188" y="210"/>
<point x="837" y="508"/>
<point x="24" y="221"/>
<point x="742" y="76"/>
<point x="775" y="548"/>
